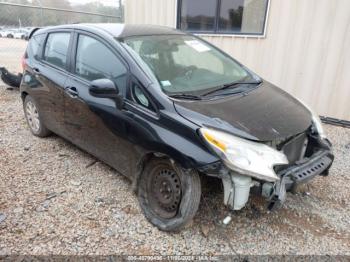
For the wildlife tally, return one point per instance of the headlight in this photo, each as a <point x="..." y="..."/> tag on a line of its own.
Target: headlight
<point x="318" y="126"/>
<point x="244" y="156"/>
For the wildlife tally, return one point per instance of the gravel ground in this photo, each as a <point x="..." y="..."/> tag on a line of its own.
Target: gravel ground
<point x="54" y="200"/>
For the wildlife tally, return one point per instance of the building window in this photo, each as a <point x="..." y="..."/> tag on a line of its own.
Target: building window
<point x="246" y="17"/>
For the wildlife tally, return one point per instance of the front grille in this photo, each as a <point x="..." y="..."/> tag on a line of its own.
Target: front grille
<point x="278" y="143"/>
<point x="295" y="148"/>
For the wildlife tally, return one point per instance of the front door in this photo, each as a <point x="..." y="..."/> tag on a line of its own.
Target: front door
<point x="96" y="124"/>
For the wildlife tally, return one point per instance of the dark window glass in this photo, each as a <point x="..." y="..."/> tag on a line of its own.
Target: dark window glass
<point x="198" y="15"/>
<point x="56" y="49"/>
<point x="141" y="98"/>
<point x="35" y="45"/>
<point x="94" y="61"/>
<point x="233" y="16"/>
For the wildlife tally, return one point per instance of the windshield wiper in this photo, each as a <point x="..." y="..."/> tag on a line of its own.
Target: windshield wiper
<point x="186" y="96"/>
<point x="231" y="85"/>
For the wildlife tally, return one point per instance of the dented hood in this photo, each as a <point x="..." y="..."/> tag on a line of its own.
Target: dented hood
<point x="264" y="114"/>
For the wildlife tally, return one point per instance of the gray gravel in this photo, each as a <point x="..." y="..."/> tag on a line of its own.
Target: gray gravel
<point x="54" y="199"/>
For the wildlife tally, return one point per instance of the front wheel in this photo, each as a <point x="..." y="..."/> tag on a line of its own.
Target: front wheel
<point x="169" y="197"/>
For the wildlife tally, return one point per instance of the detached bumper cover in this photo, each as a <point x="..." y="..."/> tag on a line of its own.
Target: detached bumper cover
<point x="300" y="173"/>
<point x="318" y="164"/>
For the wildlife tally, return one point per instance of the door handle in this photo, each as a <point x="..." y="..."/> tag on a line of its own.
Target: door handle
<point x="36" y="70"/>
<point x="72" y="91"/>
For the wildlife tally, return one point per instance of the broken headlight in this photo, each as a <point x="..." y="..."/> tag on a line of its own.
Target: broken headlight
<point x="244" y="156"/>
<point x="318" y="126"/>
<point x="316" y="121"/>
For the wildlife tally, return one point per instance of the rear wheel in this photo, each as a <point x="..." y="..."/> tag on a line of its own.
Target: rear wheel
<point x="168" y="196"/>
<point x="34" y="120"/>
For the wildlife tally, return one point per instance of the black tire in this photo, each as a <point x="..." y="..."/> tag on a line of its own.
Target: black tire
<point x="41" y="130"/>
<point x="186" y="204"/>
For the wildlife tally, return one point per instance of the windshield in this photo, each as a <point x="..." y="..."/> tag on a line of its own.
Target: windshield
<point x="185" y="64"/>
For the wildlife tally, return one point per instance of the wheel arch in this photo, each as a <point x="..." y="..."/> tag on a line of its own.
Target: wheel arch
<point x="24" y="95"/>
<point x="140" y="167"/>
<point x="181" y="161"/>
<point x="185" y="154"/>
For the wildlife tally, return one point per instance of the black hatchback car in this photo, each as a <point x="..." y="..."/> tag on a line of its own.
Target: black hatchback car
<point x="165" y="108"/>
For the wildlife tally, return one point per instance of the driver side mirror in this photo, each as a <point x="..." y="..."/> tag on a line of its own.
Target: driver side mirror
<point x="106" y="88"/>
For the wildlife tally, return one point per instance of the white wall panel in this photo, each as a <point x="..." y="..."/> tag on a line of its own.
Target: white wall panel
<point x="306" y="50"/>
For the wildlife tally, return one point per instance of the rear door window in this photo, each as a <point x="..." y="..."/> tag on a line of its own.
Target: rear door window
<point x="34" y="46"/>
<point x="94" y="60"/>
<point x="56" y="49"/>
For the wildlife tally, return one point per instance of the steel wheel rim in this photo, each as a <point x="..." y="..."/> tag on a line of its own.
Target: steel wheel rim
<point x="32" y="116"/>
<point x="165" y="191"/>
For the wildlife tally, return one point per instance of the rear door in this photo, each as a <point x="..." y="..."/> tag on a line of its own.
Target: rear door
<point x="96" y="124"/>
<point x="50" y="73"/>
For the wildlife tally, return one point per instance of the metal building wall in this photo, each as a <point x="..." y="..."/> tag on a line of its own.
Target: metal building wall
<point x="306" y="50"/>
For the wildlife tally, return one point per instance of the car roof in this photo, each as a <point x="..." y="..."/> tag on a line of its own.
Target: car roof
<point x="121" y="30"/>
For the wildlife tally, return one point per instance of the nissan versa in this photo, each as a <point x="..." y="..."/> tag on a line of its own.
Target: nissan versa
<point x="166" y="108"/>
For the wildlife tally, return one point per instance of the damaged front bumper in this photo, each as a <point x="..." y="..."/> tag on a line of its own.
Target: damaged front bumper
<point x="238" y="187"/>
<point x="308" y="156"/>
<point x="300" y="173"/>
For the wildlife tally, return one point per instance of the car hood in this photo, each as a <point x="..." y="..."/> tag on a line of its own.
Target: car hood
<point x="266" y="113"/>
